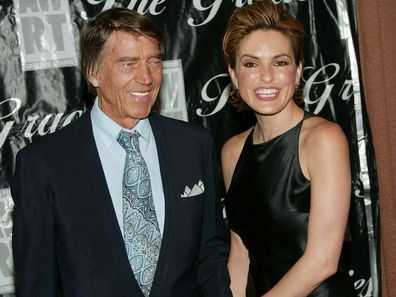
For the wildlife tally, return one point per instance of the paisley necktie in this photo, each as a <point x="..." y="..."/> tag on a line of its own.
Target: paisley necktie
<point x="142" y="236"/>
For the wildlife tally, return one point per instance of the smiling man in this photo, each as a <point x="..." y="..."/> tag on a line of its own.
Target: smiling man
<point x="101" y="206"/>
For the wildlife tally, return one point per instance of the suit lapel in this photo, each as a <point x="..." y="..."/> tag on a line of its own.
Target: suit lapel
<point x="164" y="150"/>
<point x="101" y="200"/>
<point x="107" y="221"/>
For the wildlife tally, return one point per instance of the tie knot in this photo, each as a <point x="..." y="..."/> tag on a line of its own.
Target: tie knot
<point x="129" y="140"/>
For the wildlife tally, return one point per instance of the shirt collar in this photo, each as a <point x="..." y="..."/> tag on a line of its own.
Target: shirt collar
<point x="109" y="129"/>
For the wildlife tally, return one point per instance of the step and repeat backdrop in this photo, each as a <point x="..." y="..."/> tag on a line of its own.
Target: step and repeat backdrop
<point x="42" y="90"/>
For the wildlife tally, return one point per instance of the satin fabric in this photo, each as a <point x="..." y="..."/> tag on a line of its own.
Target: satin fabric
<point x="267" y="205"/>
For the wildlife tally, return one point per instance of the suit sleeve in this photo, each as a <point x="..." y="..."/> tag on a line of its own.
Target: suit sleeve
<point x="33" y="240"/>
<point x="213" y="275"/>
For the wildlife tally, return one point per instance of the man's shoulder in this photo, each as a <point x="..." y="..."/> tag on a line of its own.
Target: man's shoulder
<point x="67" y="135"/>
<point x="177" y="127"/>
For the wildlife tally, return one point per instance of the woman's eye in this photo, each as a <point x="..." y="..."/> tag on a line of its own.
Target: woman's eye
<point x="281" y="63"/>
<point x="249" y="64"/>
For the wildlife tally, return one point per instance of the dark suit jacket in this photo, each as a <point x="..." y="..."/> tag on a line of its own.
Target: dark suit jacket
<point x="66" y="237"/>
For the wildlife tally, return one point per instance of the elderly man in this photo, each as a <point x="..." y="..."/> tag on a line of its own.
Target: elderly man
<point x="101" y="207"/>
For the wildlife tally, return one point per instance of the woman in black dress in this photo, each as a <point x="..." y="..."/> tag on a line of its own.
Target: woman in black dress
<point x="288" y="177"/>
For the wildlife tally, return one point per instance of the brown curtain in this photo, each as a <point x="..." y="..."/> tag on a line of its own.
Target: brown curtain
<point x="377" y="45"/>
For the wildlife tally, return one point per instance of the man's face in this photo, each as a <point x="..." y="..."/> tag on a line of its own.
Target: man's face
<point x="128" y="78"/>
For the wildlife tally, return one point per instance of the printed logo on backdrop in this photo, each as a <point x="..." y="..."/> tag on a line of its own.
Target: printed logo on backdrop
<point x="154" y="7"/>
<point x="363" y="287"/>
<point x="35" y="124"/>
<point x="172" y="96"/>
<point x="172" y="104"/>
<point x="325" y="87"/>
<point x="213" y="8"/>
<point x="220" y="98"/>
<point x="45" y="34"/>
<point x="320" y="79"/>
<point x="6" y="264"/>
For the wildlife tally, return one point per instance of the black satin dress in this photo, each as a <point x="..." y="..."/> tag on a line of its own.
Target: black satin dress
<point x="267" y="205"/>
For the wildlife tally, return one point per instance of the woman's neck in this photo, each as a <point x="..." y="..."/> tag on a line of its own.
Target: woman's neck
<point x="271" y="126"/>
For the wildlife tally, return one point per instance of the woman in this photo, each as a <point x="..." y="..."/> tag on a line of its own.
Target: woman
<point x="288" y="177"/>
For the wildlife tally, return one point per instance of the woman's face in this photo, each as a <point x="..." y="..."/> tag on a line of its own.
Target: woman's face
<point x="265" y="72"/>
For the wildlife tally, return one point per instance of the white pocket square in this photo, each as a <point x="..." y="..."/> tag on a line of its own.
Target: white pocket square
<point x="197" y="189"/>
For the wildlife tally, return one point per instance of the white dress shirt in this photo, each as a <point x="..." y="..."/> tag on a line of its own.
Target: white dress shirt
<point x="112" y="157"/>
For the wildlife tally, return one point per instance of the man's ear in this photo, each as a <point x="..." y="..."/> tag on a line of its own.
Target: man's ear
<point x="233" y="76"/>
<point x="92" y="77"/>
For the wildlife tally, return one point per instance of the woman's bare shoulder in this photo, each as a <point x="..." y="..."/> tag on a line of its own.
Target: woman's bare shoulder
<point x="230" y="154"/>
<point x="232" y="147"/>
<point x="321" y="141"/>
<point x="318" y="131"/>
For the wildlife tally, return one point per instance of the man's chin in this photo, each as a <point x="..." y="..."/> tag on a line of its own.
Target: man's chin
<point x="140" y="114"/>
